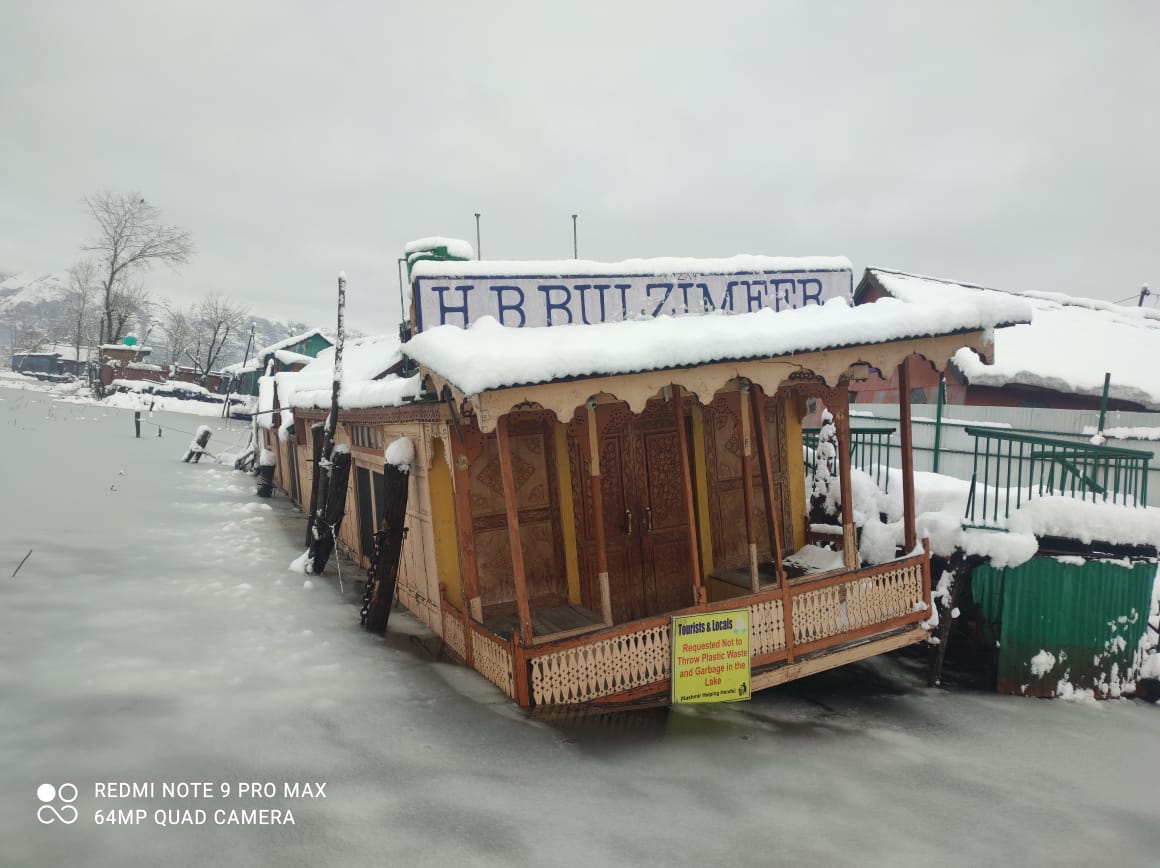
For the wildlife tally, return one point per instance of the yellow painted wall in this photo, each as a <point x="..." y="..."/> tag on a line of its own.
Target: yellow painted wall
<point x="567" y="514"/>
<point x="443" y="524"/>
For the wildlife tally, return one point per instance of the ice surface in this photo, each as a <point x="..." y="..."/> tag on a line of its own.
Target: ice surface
<point x="155" y="635"/>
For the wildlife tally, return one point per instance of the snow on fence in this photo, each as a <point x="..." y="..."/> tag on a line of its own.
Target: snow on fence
<point x="956" y="447"/>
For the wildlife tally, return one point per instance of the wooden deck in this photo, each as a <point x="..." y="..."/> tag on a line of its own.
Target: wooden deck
<point x="547" y="622"/>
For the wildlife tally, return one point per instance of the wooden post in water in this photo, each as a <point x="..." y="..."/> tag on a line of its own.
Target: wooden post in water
<point x="137" y="422"/>
<point x="335" y="465"/>
<point x="392" y="526"/>
<point x="197" y="447"/>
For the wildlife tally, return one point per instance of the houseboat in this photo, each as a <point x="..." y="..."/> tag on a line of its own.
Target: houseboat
<point x="597" y="449"/>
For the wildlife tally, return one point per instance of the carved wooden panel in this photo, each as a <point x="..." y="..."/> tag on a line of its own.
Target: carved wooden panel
<point x="641" y="482"/>
<point x="726" y="496"/>
<point x="537" y="498"/>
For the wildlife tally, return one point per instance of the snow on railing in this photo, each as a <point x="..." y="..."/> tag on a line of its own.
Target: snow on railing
<point x="1010" y="468"/>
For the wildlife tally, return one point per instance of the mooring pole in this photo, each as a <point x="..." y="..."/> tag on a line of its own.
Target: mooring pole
<point x="331" y="499"/>
<point x="1104" y="401"/>
<point x="938" y="414"/>
<point x="137" y="422"/>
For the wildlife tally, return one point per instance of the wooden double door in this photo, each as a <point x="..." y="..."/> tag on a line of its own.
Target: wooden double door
<point x="646" y="529"/>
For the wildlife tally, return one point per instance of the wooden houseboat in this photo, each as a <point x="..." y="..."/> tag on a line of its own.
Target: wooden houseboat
<point x="601" y="446"/>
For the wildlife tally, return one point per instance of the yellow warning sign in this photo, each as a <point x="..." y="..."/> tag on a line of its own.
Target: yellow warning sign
<point x="711" y="657"/>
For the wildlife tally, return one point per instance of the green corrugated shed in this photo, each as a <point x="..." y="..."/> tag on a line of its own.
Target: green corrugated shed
<point x="1088" y="616"/>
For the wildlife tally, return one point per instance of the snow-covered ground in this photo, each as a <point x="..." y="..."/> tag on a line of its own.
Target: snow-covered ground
<point x="155" y="636"/>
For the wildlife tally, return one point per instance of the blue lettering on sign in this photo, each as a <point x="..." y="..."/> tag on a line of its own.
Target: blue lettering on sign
<point x="445" y="308"/>
<point x="726" y="302"/>
<point x="564" y="295"/>
<point x="530" y="301"/>
<point x="649" y="293"/>
<point x="504" y="307"/>
<point x="782" y="288"/>
<point x="624" y="288"/>
<point x="816" y="295"/>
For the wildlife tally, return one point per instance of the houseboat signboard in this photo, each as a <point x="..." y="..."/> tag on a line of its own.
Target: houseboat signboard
<point x="458" y="293"/>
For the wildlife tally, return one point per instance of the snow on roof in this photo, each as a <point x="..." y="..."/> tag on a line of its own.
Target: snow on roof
<point x="1067" y="347"/>
<point x="490" y="356"/>
<point x="257" y="361"/>
<point x="455" y="246"/>
<point x="663" y="265"/>
<point x="288" y="357"/>
<point x="365" y="382"/>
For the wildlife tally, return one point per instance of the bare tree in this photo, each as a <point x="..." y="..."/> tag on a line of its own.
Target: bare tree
<point x="178" y="328"/>
<point x="215" y="321"/>
<point x="129" y="301"/>
<point x="81" y="303"/>
<point x="130" y="239"/>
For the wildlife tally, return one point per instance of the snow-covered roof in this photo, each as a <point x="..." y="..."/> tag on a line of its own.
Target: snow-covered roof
<point x="490" y="356"/>
<point x="258" y="360"/>
<point x="288" y="357"/>
<point x="1067" y="347"/>
<point x="455" y="246"/>
<point x="663" y="265"/>
<point x="365" y="381"/>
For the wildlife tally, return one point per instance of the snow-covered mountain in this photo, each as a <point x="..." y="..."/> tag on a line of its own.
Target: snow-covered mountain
<point x="23" y="288"/>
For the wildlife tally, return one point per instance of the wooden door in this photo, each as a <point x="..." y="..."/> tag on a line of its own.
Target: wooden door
<point x="645" y="520"/>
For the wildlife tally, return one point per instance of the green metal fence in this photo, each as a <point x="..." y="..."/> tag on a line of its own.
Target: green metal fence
<point x="1010" y="467"/>
<point x="1060" y="620"/>
<point x="869" y="451"/>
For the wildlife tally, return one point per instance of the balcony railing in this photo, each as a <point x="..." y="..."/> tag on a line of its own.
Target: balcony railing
<point x="1010" y="468"/>
<point x="869" y="451"/>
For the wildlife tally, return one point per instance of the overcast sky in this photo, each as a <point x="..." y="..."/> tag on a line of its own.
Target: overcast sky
<point x="1009" y="144"/>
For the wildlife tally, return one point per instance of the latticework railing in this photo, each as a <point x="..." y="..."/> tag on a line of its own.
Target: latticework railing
<point x="493" y="660"/>
<point x="453" y="633"/>
<point x="883" y="597"/>
<point x="603" y="668"/>
<point x="869" y="451"/>
<point x="766" y="628"/>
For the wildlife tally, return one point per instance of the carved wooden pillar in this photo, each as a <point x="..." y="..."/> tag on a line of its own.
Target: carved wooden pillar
<point x="773" y="525"/>
<point x="510" y="497"/>
<point x="598" y="513"/>
<point x="687" y="478"/>
<point x="747" y="487"/>
<point x="907" y="446"/>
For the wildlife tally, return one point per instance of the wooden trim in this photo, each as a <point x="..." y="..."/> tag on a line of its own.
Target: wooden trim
<point x="690" y="513"/>
<point x="520" y="680"/>
<point x="905" y="432"/>
<point x="860" y="633"/>
<point x="814" y="665"/>
<point x="513" y="522"/>
<point x="566" y="634"/>
<point x="598" y="515"/>
<point x="747" y="486"/>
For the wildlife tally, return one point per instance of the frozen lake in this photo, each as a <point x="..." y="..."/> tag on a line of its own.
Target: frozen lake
<point x="156" y="636"/>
